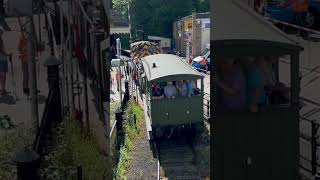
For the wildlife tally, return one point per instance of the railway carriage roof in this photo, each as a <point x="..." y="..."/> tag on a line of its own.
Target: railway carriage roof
<point x="236" y="27"/>
<point x="168" y="65"/>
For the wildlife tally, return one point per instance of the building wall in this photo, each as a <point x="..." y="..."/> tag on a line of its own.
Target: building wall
<point x="196" y="37"/>
<point x="205" y="39"/>
<point x="200" y="35"/>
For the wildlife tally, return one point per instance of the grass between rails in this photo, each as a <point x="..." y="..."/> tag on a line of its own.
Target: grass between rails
<point x="132" y="131"/>
<point x="74" y="147"/>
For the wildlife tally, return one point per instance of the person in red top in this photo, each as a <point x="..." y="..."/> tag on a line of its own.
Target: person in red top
<point x="203" y="62"/>
<point x="300" y="8"/>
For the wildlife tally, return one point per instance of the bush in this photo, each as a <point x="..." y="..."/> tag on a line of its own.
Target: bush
<point x="113" y="108"/>
<point x="72" y="148"/>
<point x="10" y="141"/>
<point x="132" y="132"/>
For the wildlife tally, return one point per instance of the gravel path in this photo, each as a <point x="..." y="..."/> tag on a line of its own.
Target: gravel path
<point x="143" y="164"/>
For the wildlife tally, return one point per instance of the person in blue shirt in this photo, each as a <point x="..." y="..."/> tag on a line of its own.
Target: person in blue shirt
<point x="183" y="89"/>
<point x="256" y="95"/>
<point x="189" y="88"/>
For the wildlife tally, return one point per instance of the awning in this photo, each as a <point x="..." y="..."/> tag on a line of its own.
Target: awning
<point x="120" y="30"/>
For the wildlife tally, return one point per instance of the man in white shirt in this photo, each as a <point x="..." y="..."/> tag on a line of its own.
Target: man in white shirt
<point x="170" y="90"/>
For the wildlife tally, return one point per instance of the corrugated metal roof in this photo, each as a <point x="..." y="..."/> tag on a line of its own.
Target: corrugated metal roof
<point x="243" y="24"/>
<point x="167" y="65"/>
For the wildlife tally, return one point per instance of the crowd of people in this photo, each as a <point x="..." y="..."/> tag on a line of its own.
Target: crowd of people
<point x="172" y="89"/>
<point x="250" y="83"/>
<point x="6" y="58"/>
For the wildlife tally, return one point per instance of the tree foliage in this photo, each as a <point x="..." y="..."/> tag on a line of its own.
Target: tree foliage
<point x="121" y="6"/>
<point x="156" y="17"/>
<point x="201" y="5"/>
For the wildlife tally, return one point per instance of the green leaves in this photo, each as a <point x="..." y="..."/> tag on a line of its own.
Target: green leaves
<point x="10" y="141"/>
<point x="72" y="148"/>
<point x="156" y="17"/>
<point x="132" y="133"/>
<point x="113" y="107"/>
<point x="121" y="6"/>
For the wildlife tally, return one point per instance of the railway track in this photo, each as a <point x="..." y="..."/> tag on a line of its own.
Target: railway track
<point x="176" y="159"/>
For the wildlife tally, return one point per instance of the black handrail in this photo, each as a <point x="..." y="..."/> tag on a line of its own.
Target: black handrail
<point x="43" y="122"/>
<point x="313" y="140"/>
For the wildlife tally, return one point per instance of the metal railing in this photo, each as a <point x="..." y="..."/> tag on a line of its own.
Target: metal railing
<point x="299" y="28"/>
<point x="113" y="143"/>
<point x="45" y="123"/>
<point x="116" y="133"/>
<point x="206" y="104"/>
<point x="311" y="139"/>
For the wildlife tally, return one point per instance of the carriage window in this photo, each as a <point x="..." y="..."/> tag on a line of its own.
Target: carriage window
<point x="231" y="83"/>
<point x="173" y="89"/>
<point x="253" y="83"/>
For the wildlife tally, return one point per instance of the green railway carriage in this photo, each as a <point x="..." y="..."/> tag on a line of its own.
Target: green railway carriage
<point x="261" y="144"/>
<point x="165" y="112"/>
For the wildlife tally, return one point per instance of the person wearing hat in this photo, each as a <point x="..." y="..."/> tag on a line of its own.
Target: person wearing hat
<point x="3" y="64"/>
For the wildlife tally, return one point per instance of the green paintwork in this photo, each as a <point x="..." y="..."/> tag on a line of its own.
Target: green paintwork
<point x="270" y="138"/>
<point x="171" y="68"/>
<point x="168" y="67"/>
<point x="177" y="111"/>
